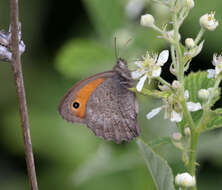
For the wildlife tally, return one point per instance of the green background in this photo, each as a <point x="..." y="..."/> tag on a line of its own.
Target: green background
<point x="67" y="41"/>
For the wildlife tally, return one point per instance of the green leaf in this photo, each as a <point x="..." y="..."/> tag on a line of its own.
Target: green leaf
<point x="158" y="167"/>
<point x="193" y="83"/>
<point x="80" y="57"/>
<point x="159" y="141"/>
<point x="218" y="111"/>
<point x="215" y="120"/>
<point x="106" y="16"/>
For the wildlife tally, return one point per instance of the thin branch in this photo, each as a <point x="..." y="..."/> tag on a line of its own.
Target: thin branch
<point x="17" y="70"/>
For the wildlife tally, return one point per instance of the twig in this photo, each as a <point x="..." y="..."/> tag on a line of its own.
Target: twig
<point x="17" y="70"/>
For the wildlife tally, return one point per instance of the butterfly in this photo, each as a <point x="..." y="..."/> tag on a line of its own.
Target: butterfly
<point x="105" y="104"/>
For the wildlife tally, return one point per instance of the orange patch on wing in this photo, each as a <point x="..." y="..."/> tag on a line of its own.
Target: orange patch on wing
<point x="83" y="95"/>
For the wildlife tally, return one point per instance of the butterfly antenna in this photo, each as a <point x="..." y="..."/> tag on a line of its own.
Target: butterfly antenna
<point x="115" y="46"/>
<point x="128" y="41"/>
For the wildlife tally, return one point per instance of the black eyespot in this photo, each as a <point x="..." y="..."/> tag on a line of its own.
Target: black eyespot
<point x="75" y="105"/>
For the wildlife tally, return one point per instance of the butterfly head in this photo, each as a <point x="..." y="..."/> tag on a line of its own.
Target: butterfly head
<point x="122" y="69"/>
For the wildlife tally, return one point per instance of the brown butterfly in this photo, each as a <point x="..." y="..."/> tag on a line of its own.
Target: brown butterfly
<point x="104" y="103"/>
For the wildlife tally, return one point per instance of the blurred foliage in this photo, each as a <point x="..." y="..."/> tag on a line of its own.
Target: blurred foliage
<point x="69" y="156"/>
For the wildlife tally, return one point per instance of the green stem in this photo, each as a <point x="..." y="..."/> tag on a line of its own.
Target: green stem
<point x="165" y="83"/>
<point x="180" y="66"/>
<point x="173" y="57"/>
<point x="163" y="34"/>
<point x="180" y="71"/>
<point x="192" y="156"/>
<point x="187" y="114"/>
<point x="199" y="35"/>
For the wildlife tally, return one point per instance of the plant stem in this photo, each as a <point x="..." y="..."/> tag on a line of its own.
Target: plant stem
<point x="192" y="156"/>
<point x="180" y="72"/>
<point x="17" y="70"/>
<point x="165" y="83"/>
<point x="199" y="35"/>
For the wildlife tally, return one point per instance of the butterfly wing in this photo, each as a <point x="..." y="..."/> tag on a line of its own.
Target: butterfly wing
<point x="112" y="111"/>
<point x="72" y="106"/>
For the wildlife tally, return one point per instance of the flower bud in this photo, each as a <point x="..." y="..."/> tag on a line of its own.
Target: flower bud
<point x="175" y="84"/>
<point x="190" y="3"/>
<point x="187" y="131"/>
<point x="208" y="21"/>
<point x="185" y="180"/>
<point x="189" y="43"/>
<point x="186" y="94"/>
<point x="203" y="94"/>
<point x="176" y="136"/>
<point x="147" y="20"/>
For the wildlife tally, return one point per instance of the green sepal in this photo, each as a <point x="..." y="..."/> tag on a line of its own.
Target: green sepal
<point x="154" y="93"/>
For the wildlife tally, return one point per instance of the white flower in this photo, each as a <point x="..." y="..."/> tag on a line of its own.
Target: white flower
<point x="203" y="94"/>
<point x="211" y="73"/>
<point x="192" y="107"/>
<point x="190" y="3"/>
<point x="147" y="20"/>
<point x="149" y="68"/>
<point x="208" y="21"/>
<point x="185" y="180"/>
<point x="217" y="62"/>
<point x="175" y="116"/>
<point x="172" y="115"/>
<point x="176" y="136"/>
<point x="189" y="42"/>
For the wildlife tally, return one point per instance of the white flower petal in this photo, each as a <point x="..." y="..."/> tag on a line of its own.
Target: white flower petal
<point x="186" y="94"/>
<point x="156" y="71"/>
<point x="163" y="57"/>
<point x="214" y="62"/>
<point x="192" y="106"/>
<point x="153" y="112"/>
<point x="211" y="73"/>
<point x="199" y="48"/>
<point x="175" y="117"/>
<point x="138" y="64"/>
<point x="137" y="74"/>
<point x="218" y="68"/>
<point x="140" y="84"/>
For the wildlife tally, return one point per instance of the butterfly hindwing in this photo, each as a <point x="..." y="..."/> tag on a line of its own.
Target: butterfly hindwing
<point x="111" y="111"/>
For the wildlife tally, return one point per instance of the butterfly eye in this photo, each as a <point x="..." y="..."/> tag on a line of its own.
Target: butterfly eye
<point x="75" y="105"/>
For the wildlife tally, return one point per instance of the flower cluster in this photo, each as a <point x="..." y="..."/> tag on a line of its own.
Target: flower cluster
<point x="149" y="67"/>
<point x="173" y="109"/>
<point x="178" y="105"/>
